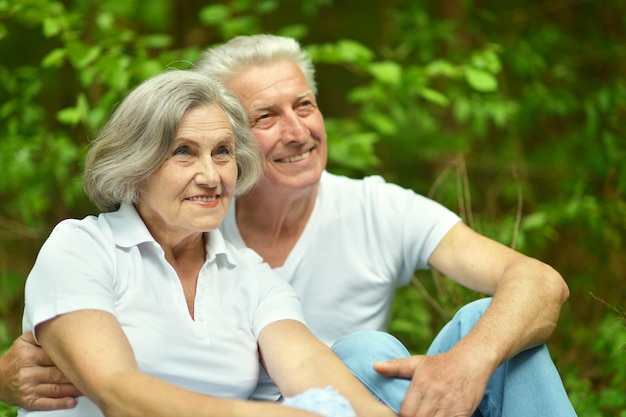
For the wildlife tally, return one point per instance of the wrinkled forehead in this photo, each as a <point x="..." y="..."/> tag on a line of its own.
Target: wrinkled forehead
<point x="269" y="80"/>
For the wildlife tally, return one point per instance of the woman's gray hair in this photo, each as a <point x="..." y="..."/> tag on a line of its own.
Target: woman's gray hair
<point x="227" y="61"/>
<point x="138" y="137"/>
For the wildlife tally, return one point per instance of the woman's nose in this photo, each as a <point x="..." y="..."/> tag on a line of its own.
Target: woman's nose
<point x="207" y="173"/>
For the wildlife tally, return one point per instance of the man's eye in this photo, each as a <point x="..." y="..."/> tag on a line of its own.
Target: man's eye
<point x="308" y="102"/>
<point x="263" y="120"/>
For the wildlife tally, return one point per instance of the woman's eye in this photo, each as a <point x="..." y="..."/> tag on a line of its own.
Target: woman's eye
<point x="223" y="151"/>
<point x="181" y="151"/>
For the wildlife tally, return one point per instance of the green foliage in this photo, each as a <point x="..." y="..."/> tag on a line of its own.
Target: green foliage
<point x="57" y="98"/>
<point x="609" y="373"/>
<point x="412" y="321"/>
<point x="6" y="411"/>
<point x="5" y="341"/>
<point x="509" y="113"/>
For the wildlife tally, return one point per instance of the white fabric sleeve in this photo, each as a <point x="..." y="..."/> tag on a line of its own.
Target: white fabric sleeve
<point x="74" y="271"/>
<point x="408" y="225"/>
<point x="277" y="299"/>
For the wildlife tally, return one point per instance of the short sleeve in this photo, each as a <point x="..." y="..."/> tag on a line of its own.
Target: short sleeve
<point x="73" y="271"/>
<point x="277" y="299"/>
<point x="407" y="226"/>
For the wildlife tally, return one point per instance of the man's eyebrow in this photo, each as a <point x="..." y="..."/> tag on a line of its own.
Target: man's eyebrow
<point x="304" y="94"/>
<point x="269" y="106"/>
<point x="264" y="107"/>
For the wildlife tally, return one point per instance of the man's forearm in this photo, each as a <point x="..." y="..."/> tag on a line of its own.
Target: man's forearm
<point x="523" y="313"/>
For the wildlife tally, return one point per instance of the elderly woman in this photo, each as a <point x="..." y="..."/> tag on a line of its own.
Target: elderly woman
<point x="146" y="308"/>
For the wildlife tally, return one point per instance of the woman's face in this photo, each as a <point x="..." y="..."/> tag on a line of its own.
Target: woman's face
<point x="192" y="190"/>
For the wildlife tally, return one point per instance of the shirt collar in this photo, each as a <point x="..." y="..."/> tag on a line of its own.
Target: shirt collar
<point x="127" y="226"/>
<point x="129" y="230"/>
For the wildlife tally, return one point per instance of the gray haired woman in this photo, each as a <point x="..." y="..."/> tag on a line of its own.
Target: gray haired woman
<point x="146" y="308"/>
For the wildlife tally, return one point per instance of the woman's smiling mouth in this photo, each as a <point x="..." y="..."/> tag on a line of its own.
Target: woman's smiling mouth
<point x="204" y="199"/>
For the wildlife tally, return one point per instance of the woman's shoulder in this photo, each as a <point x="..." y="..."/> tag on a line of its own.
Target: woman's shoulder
<point x="88" y="225"/>
<point x="91" y="234"/>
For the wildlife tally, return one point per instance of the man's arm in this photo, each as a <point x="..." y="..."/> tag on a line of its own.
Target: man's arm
<point x="527" y="294"/>
<point x="29" y="379"/>
<point x="527" y="299"/>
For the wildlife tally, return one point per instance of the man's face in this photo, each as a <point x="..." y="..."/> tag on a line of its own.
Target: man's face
<point x="287" y="124"/>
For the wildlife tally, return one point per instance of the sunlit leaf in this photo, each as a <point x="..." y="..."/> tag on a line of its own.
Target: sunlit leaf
<point x="54" y="59"/>
<point x="441" y="67"/>
<point x="69" y="116"/>
<point x="158" y="41"/>
<point x="51" y="26"/>
<point x="481" y="80"/>
<point x="434" y="96"/>
<point x="387" y="72"/>
<point x="214" y="14"/>
<point x="3" y="31"/>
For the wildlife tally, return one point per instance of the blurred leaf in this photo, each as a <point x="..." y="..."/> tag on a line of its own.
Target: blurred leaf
<point x="344" y="50"/>
<point x="214" y="15"/>
<point x="481" y="80"/>
<point x="434" y="96"/>
<point x="441" y="67"/>
<point x="54" y="59"/>
<point x="486" y="60"/>
<point x="52" y="26"/>
<point x="158" y="41"/>
<point x="386" y="72"/>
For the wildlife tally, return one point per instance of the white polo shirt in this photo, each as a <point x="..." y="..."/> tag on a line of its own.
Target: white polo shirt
<point x="112" y="263"/>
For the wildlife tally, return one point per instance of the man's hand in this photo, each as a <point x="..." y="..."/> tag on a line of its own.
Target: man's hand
<point x="444" y="385"/>
<point x="29" y="379"/>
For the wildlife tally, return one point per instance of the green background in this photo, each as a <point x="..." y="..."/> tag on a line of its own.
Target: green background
<point x="510" y="113"/>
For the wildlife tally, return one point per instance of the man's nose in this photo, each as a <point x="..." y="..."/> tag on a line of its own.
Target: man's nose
<point x="294" y="128"/>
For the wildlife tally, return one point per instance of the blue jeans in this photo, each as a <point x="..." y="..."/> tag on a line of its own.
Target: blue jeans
<point x="526" y="385"/>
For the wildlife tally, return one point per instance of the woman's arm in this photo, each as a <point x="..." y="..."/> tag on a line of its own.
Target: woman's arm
<point x="90" y="347"/>
<point x="296" y="360"/>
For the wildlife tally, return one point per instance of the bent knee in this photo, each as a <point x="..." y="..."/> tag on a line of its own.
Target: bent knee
<point x="369" y="346"/>
<point x="474" y="310"/>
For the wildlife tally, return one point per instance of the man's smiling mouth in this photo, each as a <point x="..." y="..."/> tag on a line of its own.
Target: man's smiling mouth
<point x="296" y="158"/>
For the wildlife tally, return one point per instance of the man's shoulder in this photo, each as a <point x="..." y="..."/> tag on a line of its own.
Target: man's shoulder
<point x="345" y="183"/>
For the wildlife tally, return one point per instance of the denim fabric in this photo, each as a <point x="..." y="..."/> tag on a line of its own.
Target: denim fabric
<point x="527" y="385"/>
<point x="360" y="350"/>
